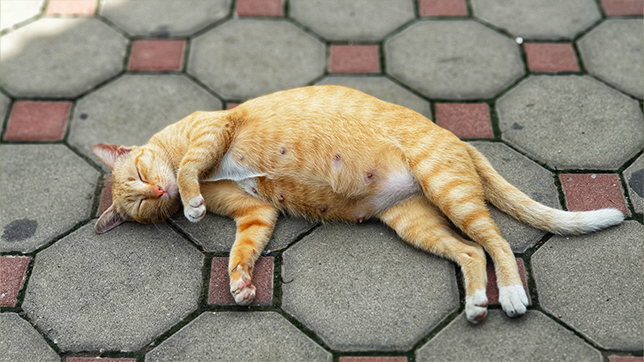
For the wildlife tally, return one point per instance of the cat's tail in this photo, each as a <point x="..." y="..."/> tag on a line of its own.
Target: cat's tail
<point x="517" y="204"/>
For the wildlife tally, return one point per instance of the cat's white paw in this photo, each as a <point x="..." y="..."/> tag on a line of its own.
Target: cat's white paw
<point x="513" y="300"/>
<point x="195" y="210"/>
<point x="476" y="306"/>
<point x="243" y="290"/>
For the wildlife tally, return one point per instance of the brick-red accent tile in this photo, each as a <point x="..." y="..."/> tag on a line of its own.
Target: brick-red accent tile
<point x="626" y="359"/>
<point x="37" y="121"/>
<point x="156" y="55"/>
<point x="259" y="8"/>
<point x="584" y="192"/>
<point x="493" y="289"/>
<point x="372" y="359"/>
<point x="106" y="195"/>
<point x="231" y="105"/>
<point x="219" y="290"/>
<point x="354" y="59"/>
<point x="96" y="359"/>
<point x="71" y="7"/>
<point x="13" y="270"/>
<point x="442" y="7"/>
<point x="623" y="7"/>
<point x="551" y="57"/>
<point x="465" y="120"/>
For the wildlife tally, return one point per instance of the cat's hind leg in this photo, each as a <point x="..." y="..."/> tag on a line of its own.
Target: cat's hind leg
<point x="418" y="222"/>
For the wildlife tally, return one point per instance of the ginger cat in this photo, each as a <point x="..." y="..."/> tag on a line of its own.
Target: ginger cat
<point x="333" y="153"/>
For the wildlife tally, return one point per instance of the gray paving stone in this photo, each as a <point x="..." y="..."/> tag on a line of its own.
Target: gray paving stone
<point x="244" y="58"/>
<point x="543" y="19"/>
<point x="357" y="20"/>
<point x="571" y="122"/>
<point x="4" y="107"/>
<point x="634" y="177"/>
<point x="114" y="291"/>
<point x="594" y="284"/>
<point x="131" y="109"/>
<point x="44" y="190"/>
<point x="358" y="287"/>
<point x="533" y="337"/>
<point x="60" y="58"/>
<point x="614" y="51"/>
<point x="459" y="59"/>
<point x="13" y="13"/>
<point x="164" y="18"/>
<point x="532" y="179"/>
<point x="217" y="233"/>
<point x="239" y="336"/>
<point x="384" y="89"/>
<point x="21" y="343"/>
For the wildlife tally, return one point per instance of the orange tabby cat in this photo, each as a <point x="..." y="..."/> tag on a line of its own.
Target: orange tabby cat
<point x="333" y="153"/>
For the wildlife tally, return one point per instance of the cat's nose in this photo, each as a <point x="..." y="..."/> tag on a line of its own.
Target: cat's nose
<point x="159" y="191"/>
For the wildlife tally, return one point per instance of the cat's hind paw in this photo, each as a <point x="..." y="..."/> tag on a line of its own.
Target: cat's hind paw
<point x="513" y="300"/>
<point x="195" y="210"/>
<point x="476" y="306"/>
<point x="243" y="290"/>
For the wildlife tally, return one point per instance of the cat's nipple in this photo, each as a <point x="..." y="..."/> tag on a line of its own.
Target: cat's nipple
<point x="282" y="151"/>
<point x="324" y="208"/>
<point x="337" y="160"/>
<point x="280" y="198"/>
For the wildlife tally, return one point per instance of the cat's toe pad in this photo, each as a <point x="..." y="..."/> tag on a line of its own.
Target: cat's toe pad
<point x="195" y="210"/>
<point x="476" y="306"/>
<point x="243" y="290"/>
<point x="513" y="300"/>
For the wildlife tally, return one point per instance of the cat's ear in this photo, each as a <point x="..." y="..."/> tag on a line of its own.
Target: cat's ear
<point x="109" y="154"/>
<point x="109" y="220"/>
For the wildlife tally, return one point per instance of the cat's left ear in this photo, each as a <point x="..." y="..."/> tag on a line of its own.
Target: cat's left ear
<point x="109" y="220"/>
<point x="109" y="154"/>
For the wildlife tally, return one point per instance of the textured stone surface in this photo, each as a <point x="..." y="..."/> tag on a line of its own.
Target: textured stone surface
<point x="584" y="192"/>
<point x="351" y="285"/>
<point x="593" y="283"/>
<point x="14" y="13"/>
<point x="267" y="336"/>
<point x="37" y="121"/>
<point x="613" y="52"/>
<point x="13" y="271"/>
<point x="164" y="18"/>
<point x="458" y="59"/>
<point x="571" y="122"/>
<point x="533" y="337"/>
<point x="532" y="179"/>
<point x="44" y="190"/>
<point x="544" y="19"/>
<point x="117" y="291"/>
<point x="243" y="59"/>
<point x="57" y="57"/>
<point x="357" y="20"/>
<point x="20" y="342"/>
<point x="4" y="107"/>
<point x="634" y="177"/>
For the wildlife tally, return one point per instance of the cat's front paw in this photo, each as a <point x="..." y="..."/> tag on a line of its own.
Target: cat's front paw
<point x="513" y="300"/>
<point x="195" y="210"/>
<point x="476" y="306"/>
<point x="242" y="289"/>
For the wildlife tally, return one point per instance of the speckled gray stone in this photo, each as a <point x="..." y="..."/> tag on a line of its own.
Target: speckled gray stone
<point x="20" y="342"/>
<point x="113" y="291"/>
<point x="44" y="190"/>
<point x="571" y="122"/>
<point x="594" y="284"/>
<point x="614" y="51"/>
<point x="361" y="288"/>
<point x="265" y="336"/>
<point x="634" y="177"/>
<point x="456" y="59"/>
<point x="4" y="107"/>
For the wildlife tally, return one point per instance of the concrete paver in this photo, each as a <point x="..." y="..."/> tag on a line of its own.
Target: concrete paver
<point x="20" y="342"/>
<point x="4" y="107"/>
<point x="634" y="177"/>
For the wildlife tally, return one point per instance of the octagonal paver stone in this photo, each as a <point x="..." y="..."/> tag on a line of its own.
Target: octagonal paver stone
<point x="384" y="89"/>
<point x="594" y="284"/>
<point x="543" y="19"/>
<point x="60" y="58"/>
<point x="113" y="291"/>
<point x="351" y="285"/>
<point x="246" y="58"/>
<point x="13" y="13"/>
<point x="20" y="342"/>
<point x="357" y="20"/>
<point x="571" y="122"/>
<point x="458" y="59"/>
<point x="614" y="51"/>
<point x="532" y="179"/>
<point x="533" y="337"/>
<point x="4" y="107"/>
<point x="131" y="109"/>
<point x="44" y="190"/>
<point x="164" y="18"/>
<point x="634" y="177"/>
<point x="266" y="336"/>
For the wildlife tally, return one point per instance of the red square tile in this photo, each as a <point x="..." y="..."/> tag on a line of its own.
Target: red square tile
<point x="626" y="359"/>
<point x="551" y="57"/>
<point x="106" y="195"/>
<point x="13" y="270"/>
<point x="96" y="359"/>
<point x="623" y="7"/>
<point x="259" y="8"/>
<point x="372" y="359"/>
<point x="156" y="55"/>
<point x="585" y="192"/>
<point x="71" y="7"/>
<point x="219" y="291"/>
<point x="442" y="7"/>
<point x="231" y="105"/>
<point x="465" y="120"/>
<point x="37" y="121"/>
<point x="354" y="59"/>
<point x="493" y="289"/>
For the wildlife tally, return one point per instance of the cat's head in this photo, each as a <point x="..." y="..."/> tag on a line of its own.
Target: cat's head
<point x="144" y="185"/>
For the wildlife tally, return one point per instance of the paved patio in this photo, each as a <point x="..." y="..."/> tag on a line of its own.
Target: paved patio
<point x="550" y="91"/>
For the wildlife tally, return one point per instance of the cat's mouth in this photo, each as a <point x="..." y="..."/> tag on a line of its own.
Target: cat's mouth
<point x="170" y="191"/>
